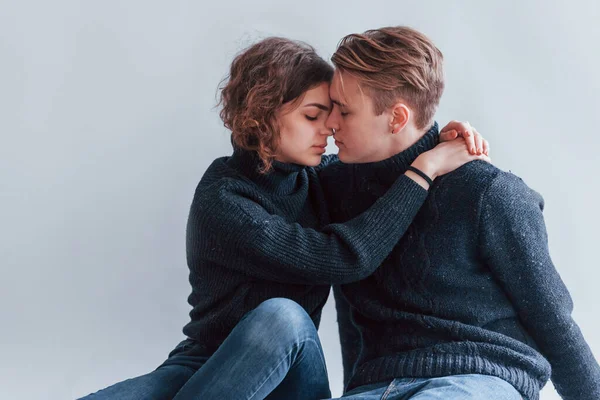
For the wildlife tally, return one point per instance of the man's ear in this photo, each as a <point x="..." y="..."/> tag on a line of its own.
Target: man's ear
<point x="400" y="117"/>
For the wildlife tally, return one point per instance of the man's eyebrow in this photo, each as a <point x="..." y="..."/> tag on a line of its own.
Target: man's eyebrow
<point x="318" y="105"/>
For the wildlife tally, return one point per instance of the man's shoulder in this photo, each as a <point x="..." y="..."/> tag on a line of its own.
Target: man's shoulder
<point x="481" y="178"/>
<point x="469" y="181"/>
<point x="485" y="182"/>
<point x="475" y="172"/>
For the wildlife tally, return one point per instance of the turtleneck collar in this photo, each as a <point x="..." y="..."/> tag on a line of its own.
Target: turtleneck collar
<point x="282" y="179"/>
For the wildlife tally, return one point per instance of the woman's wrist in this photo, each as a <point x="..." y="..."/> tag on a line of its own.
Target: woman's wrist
<point x="424" y="164"/>
<point x="421" y="174"/>
<point x="418" y="179"/>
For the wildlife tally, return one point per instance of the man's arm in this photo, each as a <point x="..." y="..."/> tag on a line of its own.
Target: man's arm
<point x="515" y="246"/>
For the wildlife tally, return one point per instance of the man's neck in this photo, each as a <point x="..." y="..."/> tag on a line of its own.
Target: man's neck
<point x="401" y="141"/>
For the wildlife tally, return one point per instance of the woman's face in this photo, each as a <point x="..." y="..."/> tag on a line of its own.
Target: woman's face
<point x="303" y="135"/>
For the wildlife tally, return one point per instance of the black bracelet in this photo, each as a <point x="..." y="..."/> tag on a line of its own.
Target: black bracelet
<point x="421" y="174"/>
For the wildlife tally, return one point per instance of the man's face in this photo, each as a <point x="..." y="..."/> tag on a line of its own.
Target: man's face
<point x="360" y="135"/>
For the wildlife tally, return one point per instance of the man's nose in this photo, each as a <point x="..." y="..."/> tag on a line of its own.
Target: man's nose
<point x="327" y="131"/>
<point x="331" y="122"/>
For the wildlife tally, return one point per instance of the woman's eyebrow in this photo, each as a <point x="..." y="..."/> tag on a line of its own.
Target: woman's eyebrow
<point x="318" y="105"/>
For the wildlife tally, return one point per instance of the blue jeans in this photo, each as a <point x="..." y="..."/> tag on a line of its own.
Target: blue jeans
<point x="161" y="384"/>
<point x="463" y="387"/>
<point x="274" y="352"/>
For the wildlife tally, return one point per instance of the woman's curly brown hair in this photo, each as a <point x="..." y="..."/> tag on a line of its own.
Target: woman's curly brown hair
<point x="263" y="78"/>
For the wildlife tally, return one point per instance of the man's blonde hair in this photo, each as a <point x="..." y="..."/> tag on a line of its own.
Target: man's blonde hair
<point x="395" y="63"/>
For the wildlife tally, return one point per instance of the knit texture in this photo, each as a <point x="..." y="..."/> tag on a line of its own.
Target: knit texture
<point x="253" y="236"/>
<point x="470" y="288"/>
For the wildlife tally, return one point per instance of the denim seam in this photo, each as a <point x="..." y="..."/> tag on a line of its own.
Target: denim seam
<point x="275" y="369"/>
<point x="387" y="392"/>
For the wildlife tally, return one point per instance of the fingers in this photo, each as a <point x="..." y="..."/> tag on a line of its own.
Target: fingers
<point x="449" y="127"/>
<point x="474" y="141"/>
<point x="466" y="131"/>
<point x="478" y="142"/>
<point x="457" y="126"/>
<point x="471" y="142"/>
<point x="447" y="136"/>
<point x="484" y="155"/>
<point x="481" y="157"/>
<point x="482" y="145"/>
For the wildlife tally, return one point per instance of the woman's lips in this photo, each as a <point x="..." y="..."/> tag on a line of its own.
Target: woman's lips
<point x="320" y="147"/>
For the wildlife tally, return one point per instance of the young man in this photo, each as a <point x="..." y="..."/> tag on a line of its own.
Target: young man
<point x="468" y="305"/>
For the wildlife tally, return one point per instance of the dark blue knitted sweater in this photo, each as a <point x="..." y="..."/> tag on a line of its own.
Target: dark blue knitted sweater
<point x="252" y="237"/>
<point x="470" y="288"/>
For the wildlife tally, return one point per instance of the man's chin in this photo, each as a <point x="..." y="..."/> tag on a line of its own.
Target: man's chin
<point x="344" y="157"/>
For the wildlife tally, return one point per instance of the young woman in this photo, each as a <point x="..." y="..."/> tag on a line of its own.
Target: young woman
<point x="261" y="254"/>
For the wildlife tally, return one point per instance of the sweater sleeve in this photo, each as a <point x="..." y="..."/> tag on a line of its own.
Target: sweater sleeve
<point x="515" y="246"/>
<point x="350" y="339"/>
<point x="231" y="229"/>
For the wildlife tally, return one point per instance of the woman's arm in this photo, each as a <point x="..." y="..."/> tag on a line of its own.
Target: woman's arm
<point x="228" y="227"/>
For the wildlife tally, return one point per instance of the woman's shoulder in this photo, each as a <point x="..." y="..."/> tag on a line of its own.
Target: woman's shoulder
<point x="220" y="178"/>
